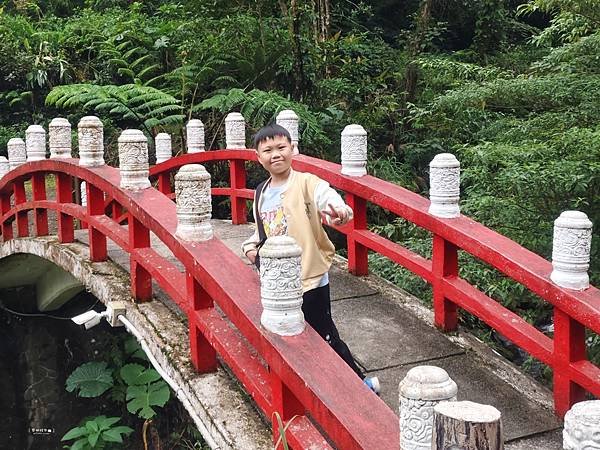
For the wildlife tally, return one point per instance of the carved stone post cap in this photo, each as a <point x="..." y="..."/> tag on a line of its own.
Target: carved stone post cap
<point x="89" y="122"/>
<point x="194" y="123"/>
<point x="59" y="122"/>
<point x="287" y="114"/>
<point x="443" y="160"/>
<point x="280" y="247"/>
<point x="354" y="130"/>
<point x="573" y="219"/>
<point x="162" y="137"/>
<point x="192" y="172"/>
<point x="427" y="383"/>
<point x="582" y="426"/>
<point x="132" y="136"/>
<point x="234" y="117"/>
<point x="35" y="129"/>
<point x="15" y="141"/>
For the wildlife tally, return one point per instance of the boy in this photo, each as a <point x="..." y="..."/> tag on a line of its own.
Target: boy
<point x="295" y="204"/>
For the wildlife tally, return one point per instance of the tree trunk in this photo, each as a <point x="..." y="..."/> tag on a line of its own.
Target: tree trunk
<point x="466" y="426"/>
<point x="299" y="82"/>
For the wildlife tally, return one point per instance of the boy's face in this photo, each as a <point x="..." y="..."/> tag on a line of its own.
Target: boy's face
<point x="275" y="155"/>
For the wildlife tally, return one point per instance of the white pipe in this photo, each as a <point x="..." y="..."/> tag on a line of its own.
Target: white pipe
<point x="181" y="395"/>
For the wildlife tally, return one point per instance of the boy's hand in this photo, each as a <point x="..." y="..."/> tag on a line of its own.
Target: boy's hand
<point x="251" y="255"/>
<point x="339" y="215"/>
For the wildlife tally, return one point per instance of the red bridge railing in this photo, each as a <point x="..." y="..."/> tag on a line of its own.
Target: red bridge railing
<point x="299" y="377"/>
<point x="574" y="311"/>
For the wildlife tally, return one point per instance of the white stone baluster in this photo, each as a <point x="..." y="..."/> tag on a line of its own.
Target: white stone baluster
<point x="195" y="136"/>
<point x="582" y="426"/>
<point x="133" y="160"/>
<point x="354" y="151"/>
<point x="571" y="250"/>
<point x="288" y="119"/>
<point x="83" y="193"/>
<point x="17" y="153"/>
<point x="4" y="166"/>
<point x="235" y="130"/>
<point x="162" y="144"/>
<point x="422" y="388"/>
<point x="281" y="286"/>
<point x="59" y="137"/>
<point x="194" y="204"/>
<point x="90" y="136"/>
<point x="444" y="186"/>
<point x="35" y="143"/>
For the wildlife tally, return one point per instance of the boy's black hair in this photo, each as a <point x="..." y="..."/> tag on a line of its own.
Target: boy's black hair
<point x="269" y="132"/>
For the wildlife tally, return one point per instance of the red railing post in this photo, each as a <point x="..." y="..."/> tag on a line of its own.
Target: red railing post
<point x="285" y="403"/>
<point x="444" y="265"/>
<point x="358" y="255"/>
<point x="164" y="183"/>
<point x="569" y="347"/>
<point x="141" y="280"/>
<point x="20" y="197"/>
<point x="40" y="215"/>
<point x="64" y="194"/>
<point x="7" y="229"/>
<point x="237" y="176"/>
<point x="95" y="207"/>
<point x="203" y="355"/>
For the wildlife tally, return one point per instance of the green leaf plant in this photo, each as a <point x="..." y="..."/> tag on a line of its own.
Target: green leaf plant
<point x="99" y="432"/>
<point x="91" y="379"/>
<point x="145" y="389"/>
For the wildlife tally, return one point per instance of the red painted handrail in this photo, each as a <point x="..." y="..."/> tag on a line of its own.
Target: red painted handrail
<point x="574" y="311"/>
<point x="294" y="376"/>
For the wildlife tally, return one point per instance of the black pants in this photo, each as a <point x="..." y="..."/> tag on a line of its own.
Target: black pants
<point x="316" y="307"/>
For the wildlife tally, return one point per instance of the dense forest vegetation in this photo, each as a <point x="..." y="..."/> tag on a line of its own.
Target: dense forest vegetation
<point x="511" y="87"/>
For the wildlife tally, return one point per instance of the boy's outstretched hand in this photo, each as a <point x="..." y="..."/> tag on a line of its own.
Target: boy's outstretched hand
<point x="338" y="215"/>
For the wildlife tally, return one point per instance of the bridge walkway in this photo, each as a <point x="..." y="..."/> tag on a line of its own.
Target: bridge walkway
<point x="389" y="332"/>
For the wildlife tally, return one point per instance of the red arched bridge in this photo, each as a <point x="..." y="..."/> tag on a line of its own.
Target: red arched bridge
<point x="299" y="376"/>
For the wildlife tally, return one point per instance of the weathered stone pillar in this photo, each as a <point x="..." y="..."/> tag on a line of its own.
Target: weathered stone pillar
<point x="17" y="153"/>
<point x="83" y="193"/>
<point x="195" y="136"/>
<point x="162" y="144"/>
<point x="571" y="250"/>
<point x="281" y="286"/>
<point x="354" y="151"/>
<point x="35" y="143"/>
<point x="133" y="160"/>
<point x="194" y="205"/>
<point x="444" y="186"/>
<point x="90" y="136"/>
<point x="4" y="166"/>
<point x="582" y="426"/>
<point x="422" y="388"/>
<point x="59" y="136"/>
<point x="235" y="131"/>
<point x="289" y="120"/>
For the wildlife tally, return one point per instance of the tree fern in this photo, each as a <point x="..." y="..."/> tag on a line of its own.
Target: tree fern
<point x="148" y="107"/>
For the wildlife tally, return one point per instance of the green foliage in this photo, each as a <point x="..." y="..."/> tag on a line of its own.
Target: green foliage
<point x="144" y="390"/>
<point x="99" y="432"/>
<point x="90" y="379"/>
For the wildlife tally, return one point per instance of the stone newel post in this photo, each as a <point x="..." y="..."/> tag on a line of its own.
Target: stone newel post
<point x="162" y="144"/>
<point x="281" y="286"/>
<point x="17" y="153"/>
<point x="444" y="182"/>
<point x="354" y="151"/>
<point x="571" y="250"/>
<point x="90" y="135"/>
<point x="582" y="426"/>
<point x="235" y="130"/>
<point x="195" y="136"/>
<point x="194" y="205"/>
<point x="35" y="143"/>
<point x="289" y="120"/>
<point x="422" y="388"/>
<point x="133" y="160"/>
<point x="59" y="135"/>
<point x="4" y="166"/>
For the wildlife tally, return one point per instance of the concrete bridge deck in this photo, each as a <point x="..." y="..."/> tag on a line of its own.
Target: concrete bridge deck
<point x="389" y="332"/>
